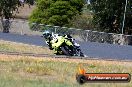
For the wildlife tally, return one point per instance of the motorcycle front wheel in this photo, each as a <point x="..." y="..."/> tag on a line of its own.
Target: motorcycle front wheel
<point x="79" y="53"/>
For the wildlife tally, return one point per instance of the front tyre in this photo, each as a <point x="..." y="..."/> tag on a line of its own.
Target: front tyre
<point x="79" y="53"/>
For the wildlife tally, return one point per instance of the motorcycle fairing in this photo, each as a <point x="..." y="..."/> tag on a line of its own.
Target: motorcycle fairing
<point x="60" y="42"/>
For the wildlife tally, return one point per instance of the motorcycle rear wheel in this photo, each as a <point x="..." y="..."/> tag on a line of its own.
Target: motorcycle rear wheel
<point x="65" y="51"/>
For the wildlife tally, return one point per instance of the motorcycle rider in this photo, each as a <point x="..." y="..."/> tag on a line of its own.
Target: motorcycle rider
<point x="52" y="40"/>
<point x="48" y="37"/>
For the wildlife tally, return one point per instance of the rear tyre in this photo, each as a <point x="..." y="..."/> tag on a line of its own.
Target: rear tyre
<point x="64" y="50"/>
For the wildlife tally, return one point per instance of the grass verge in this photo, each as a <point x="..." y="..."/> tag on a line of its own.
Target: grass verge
<point x="19" y="47"/>
<point x="24" y="71"/>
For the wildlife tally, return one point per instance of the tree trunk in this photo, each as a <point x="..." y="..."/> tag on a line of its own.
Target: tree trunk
<point x="1" y="23"/>
<point x="6" y="24"/>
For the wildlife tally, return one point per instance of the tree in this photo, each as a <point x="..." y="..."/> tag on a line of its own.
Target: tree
<point x="56" y="12"/>
<point x="108" y="14"/>
<point x="83" y="21"/>
<point x="7" y="8"/>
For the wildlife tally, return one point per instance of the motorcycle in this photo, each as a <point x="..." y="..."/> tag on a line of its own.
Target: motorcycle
<point x="76" y="46"/>
<point x="64" y="45"/>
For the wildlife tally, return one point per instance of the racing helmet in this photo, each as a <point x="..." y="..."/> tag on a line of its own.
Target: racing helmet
<point x="46" y="34"/>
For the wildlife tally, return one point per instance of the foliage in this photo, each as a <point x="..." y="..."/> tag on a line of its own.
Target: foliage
<point x="56" y="12"/>
<point x="30" y="2"/>
<point x="7" y="7"/>
<point x="83" y="21"/>
<point x="108" y="14"/>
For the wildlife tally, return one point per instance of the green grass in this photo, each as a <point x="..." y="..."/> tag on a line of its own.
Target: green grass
<point x="26" y="72"/>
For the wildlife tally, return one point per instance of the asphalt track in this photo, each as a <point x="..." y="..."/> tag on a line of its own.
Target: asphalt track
<point x="90" y="49"/>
